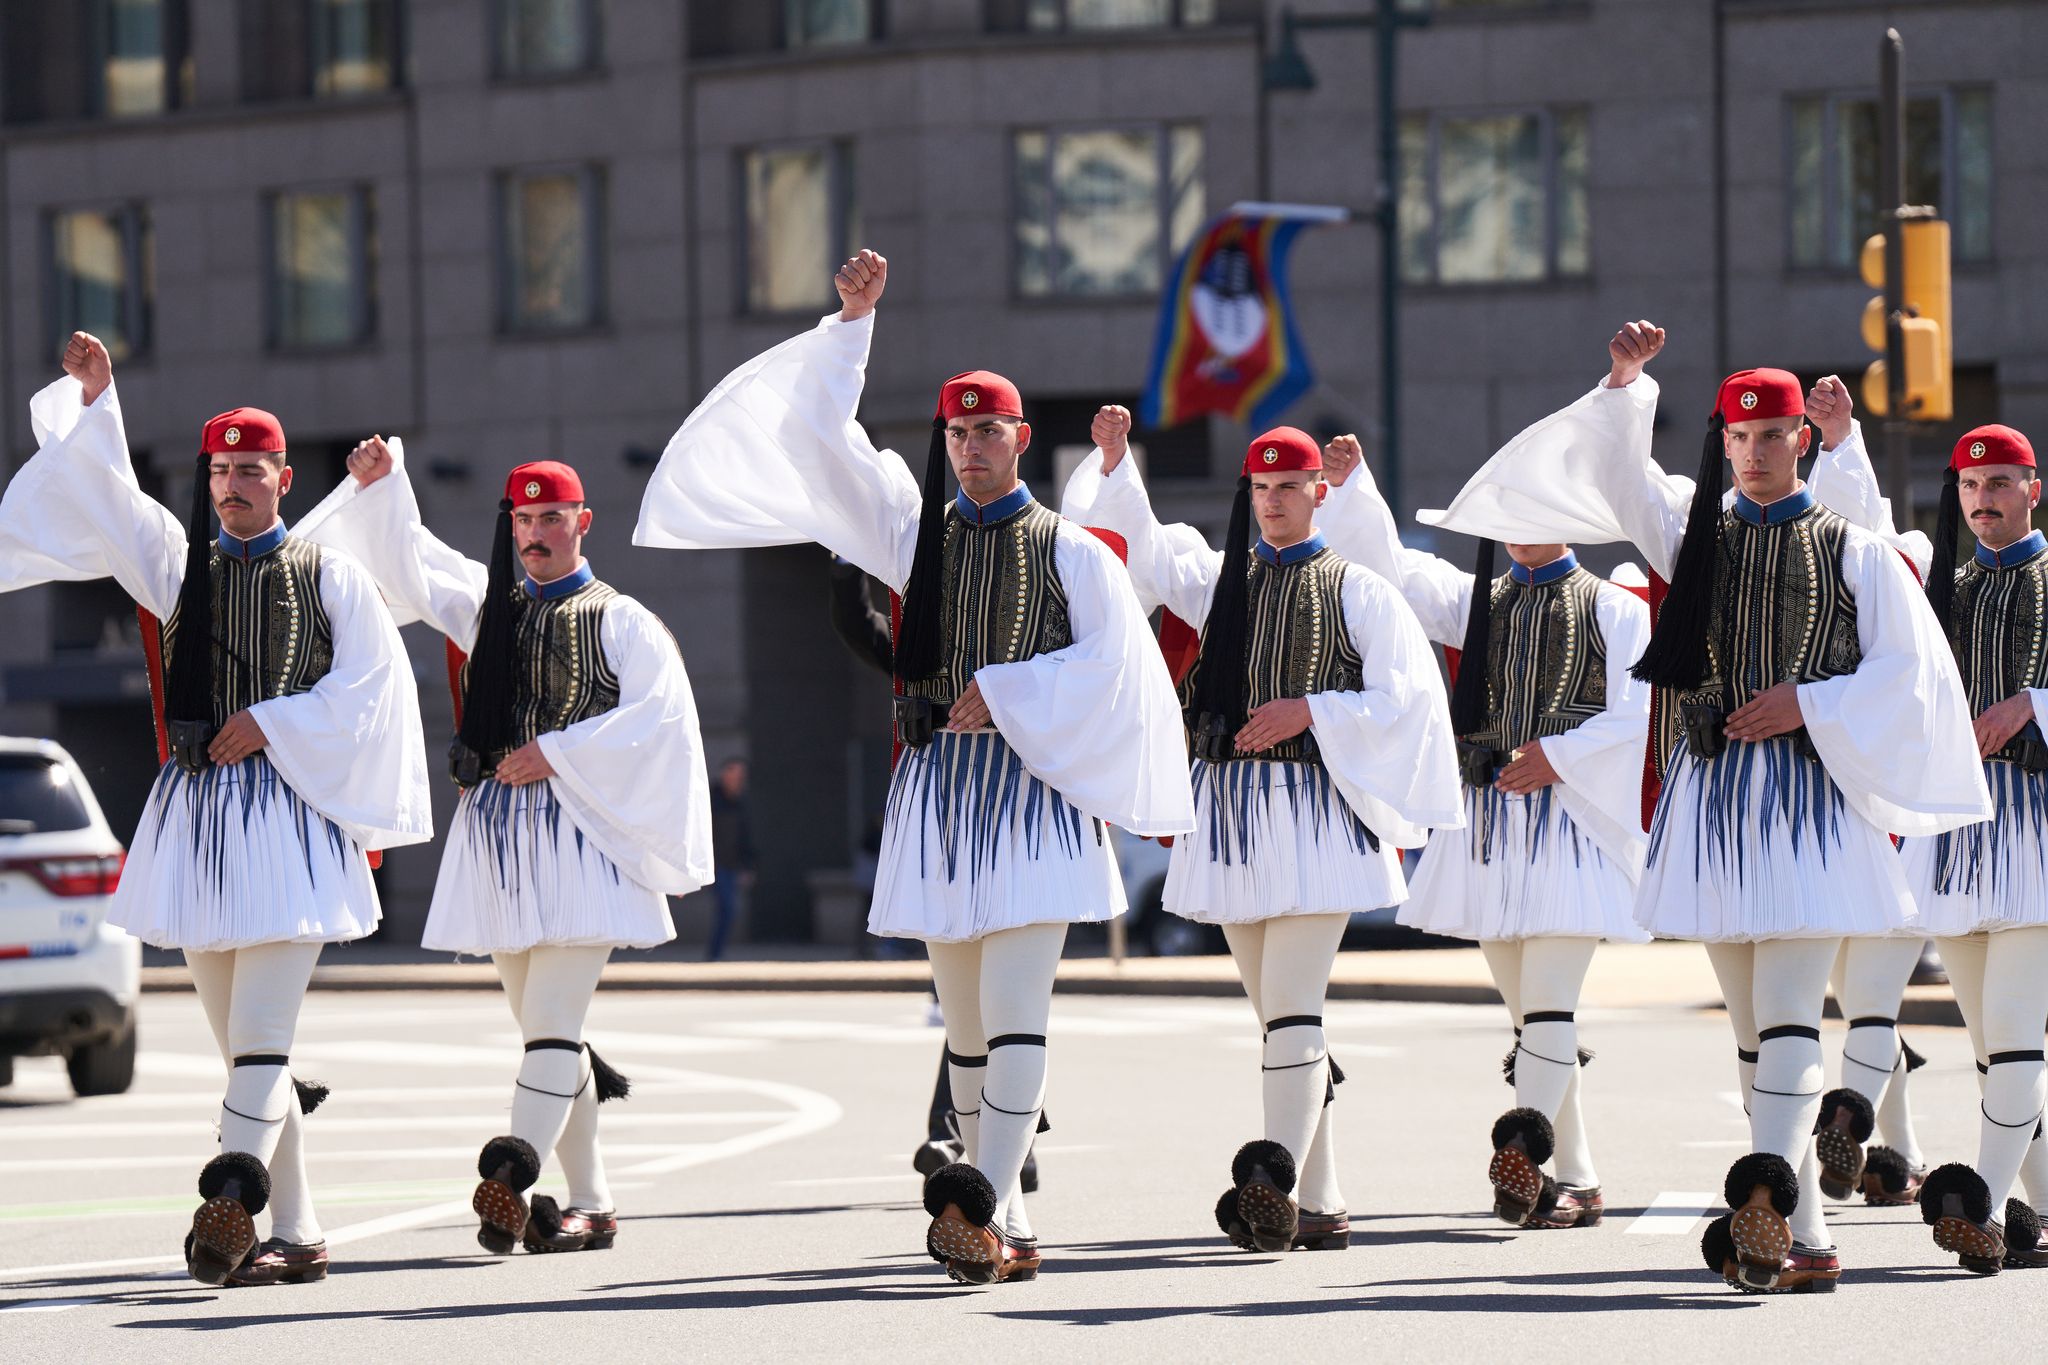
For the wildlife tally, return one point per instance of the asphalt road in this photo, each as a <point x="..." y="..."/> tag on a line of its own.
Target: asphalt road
<point x="762" y="1166"/>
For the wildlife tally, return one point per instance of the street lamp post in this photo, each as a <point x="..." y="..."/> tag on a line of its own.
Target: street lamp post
<point x="1287" y="69"/>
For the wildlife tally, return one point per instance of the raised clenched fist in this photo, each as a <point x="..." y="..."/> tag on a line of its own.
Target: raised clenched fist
<point x="87" y="361"/>
<point x="1829" y="407"/>
<point x="1340" y="457"/>
<point x="1633" y="347"/>
<point x="860" y="283"/>
<point x="1111" y="432"/>
<point x="370" y="461"/>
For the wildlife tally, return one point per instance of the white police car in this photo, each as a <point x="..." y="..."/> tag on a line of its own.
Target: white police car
<point x="68" y="979"/>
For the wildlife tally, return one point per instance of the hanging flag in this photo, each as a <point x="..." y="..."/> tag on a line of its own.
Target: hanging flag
<point x="1226" y="341"/>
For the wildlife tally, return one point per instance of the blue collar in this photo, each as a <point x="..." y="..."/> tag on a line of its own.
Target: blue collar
<point x="1549" y="573"/>
<point x="1777" y="513"/>
<point x="2019" y="552"/>
<point x="1294" y="553"/>
<point x="1008" y="505"/>
<point x="561" y="587"/>
<point x="253" y="548"/>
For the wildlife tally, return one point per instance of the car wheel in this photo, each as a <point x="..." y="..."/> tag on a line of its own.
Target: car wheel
<point x="106" y="1068"/>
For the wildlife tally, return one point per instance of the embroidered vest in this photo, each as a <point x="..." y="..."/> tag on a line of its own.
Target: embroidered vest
<point x="1782" y="612"/>
<point x="1546" y="660"/>
<point x="271" y="633"/>
<point x="1996" y="632"/>
<point x="1003" y="600"/>
<point x="563" y="675"/>
<point x="1296" y="643"/>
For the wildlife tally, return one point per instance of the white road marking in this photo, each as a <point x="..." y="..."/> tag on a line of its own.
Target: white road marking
<point x="1673" y="1214"/>
<point x="331" y="1125"/>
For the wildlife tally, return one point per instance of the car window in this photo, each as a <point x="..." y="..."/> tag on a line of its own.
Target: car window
<point x="38" y="796"/>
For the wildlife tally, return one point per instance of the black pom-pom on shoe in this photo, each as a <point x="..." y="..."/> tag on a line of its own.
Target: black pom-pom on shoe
<point x="965" y="1189"/>
<point x="1890" y="1169"/>
<point x="1277" y="1161"/>
<point x="1773" y="1172"/>
<point x="238" y="1176"/>
<point x="1539" y="1139"/>
<point x="1960" y="1181"/>
<point x="511" y="1161"/>
<point x="2022" y="1225"/>
<point x="1862" y="1118"/>
<point x="545" y="1214"/>
<point x="1717" y="1246"/>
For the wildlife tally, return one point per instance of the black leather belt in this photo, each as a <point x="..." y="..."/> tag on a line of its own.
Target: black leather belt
<point x="918" y="718"/>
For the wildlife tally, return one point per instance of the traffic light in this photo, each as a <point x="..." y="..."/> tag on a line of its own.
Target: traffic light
<point x="1924" y="298"/>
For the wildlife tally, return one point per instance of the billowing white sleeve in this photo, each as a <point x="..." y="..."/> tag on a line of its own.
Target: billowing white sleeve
<point x="1359" y="526"/>
<point x="2039" y="697"/>
<point x="352" y="747"/>
<point x="634" y="778"/>
<point x="1389" y="747"/>
<point x="1582" y="476"/>
<point x="773" y="456"/>
<point x="1896" y="733"/>
<point x="1098" y="721"/>
<point x="421" y="578"/>
<point x="75" y="510"/>
<point x="1601" y="762"/>
<point x="1845" y="482"/>
<point x="1172" y="566"/>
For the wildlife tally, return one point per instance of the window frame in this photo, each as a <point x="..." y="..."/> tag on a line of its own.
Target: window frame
<point x="137" y="292"/>
<point x="400" y="20"/>
<point x="841" y="183"/>
<point x="362" y="270"/>
<point x="591" y="14"/>
<point x="1162" y="132"/>
<point x="1831" y="207"/>
<point x="1176" y="19"/>
<point x="1547" y="119"/>
<point x="592" y="194"/>
<point x="877" y="26"/>
<point x="173" y="51"/>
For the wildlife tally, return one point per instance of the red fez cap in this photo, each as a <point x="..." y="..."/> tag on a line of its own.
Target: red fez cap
<point x="543" y="481"/>
<point x="979" y="393"/>
<point x="240" y="429"/>
<point x="1283" y="449"/>
<point x="1748" y="395"/>
<point x="1993" y="444"/>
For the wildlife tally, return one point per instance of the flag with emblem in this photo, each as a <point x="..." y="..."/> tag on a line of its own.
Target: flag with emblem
<point x="1226" y="341"/>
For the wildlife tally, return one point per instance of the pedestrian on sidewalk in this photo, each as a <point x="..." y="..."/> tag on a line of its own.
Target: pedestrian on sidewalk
<point x="732" y="853"/>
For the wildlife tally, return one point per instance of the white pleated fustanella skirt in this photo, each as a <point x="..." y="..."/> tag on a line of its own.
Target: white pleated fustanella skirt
<point x="1521" y="868"/>
<point x="517" y="873"/>
<point x="1759" y="843"/>
<point x="233" y="857"/>
<point x="1272" y="838"/>
<point x="972" y="843"/>
<point x="1988" y="876"/>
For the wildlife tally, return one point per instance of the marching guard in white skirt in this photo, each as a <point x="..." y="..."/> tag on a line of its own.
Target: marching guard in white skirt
<point x="1807" y="709"/>
<point x="293" y="730"/>
<point x="1322" y="747"/>
<point x="1982" y="890"/>
<point x="1032" y="705"/>
<point x="585" y="802"/>
<point x="1551" y="728"/>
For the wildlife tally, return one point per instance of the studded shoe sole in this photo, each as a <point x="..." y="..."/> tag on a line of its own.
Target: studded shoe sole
<point x="1841" y="1160"/>
<point x="223" y="1234"/>
<point x="501" y="1214"/>
<point x="1981" y="1250"/>
<point x="971" y="1252"/>
<point x="1270" y="1215"/>
<point x="1763" y="1239"/>
<point x="1517" y="1185"/>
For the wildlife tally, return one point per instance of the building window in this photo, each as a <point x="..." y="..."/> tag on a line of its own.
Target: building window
<point x="1833" y="172"/>
<point x="101" y="277"/>
<point x="1494" y="199"/>
<point x="92" y="59"/>
<point x="355" y="47"/>
<point x="1102" y="212"/>
<point x="322" y="268"/>
<point x="801" y="222"/>
<point x="1058" y="15"/>
<point x="827" y="23"/>
<point x="551" y="226"/>
<point x="546" y="37"/>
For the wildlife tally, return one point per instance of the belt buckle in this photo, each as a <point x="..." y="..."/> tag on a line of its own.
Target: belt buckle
<point x="913" y="716"/>
<point x="188" y="741"/>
